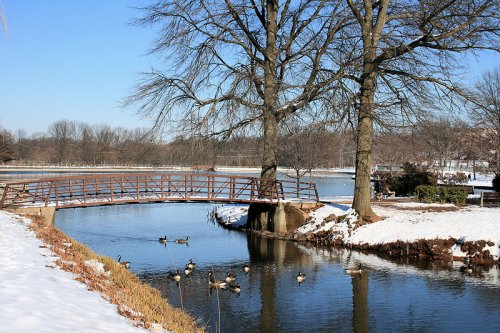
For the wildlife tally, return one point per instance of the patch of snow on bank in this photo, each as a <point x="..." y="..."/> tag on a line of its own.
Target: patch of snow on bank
<point x="317" y="218"/>
<point x="38" y="298"/>
<point x="466" y="224"/>
<point x="234" y="215"/>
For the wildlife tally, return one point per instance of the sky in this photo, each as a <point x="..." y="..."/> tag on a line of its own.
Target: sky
<point x="77" y="60"/>
<point x="72" y="60"/>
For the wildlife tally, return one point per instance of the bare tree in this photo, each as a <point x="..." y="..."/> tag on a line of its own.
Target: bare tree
<point x="407" y="50"/>
<point x="442" y="137"/>
<point x="86" y="143"/>
<point x="486" y="110"/>
<point x="104" y="139"/>
<point x="234" y="64"/>
<point x="303" y="150"/>
<point x="62" y="132"/>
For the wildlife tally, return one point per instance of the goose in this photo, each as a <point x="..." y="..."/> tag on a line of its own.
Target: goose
<point x="301" y="277"/>
<point x="163" y="239"/>
<point x="174" y="276"/>
<point x="125" y="264"/>
<point x="182" y="241"/>
<point x="246" y="268"/>
<point x="230" y="277"/>
<point x="187" y="271"/>
<point x="191" y="264"/>
<point x="354" y="270"/>
<point x="216" y="283"/>
<point x="235" y="289"/>
<point x="466" y="269"/>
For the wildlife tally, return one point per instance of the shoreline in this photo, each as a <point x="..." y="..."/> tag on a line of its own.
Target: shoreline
<point x="435" y="232"/>
<point x="72" y="268"/>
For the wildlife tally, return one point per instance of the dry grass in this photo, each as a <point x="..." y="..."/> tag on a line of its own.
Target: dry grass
<point x="135" y="300"/>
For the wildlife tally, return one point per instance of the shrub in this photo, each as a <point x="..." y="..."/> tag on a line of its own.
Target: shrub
<point x="496" y="182"/>
<point x="456" y="178"/>
<point x="441" y="194"/>
<point x="412" y="177"/>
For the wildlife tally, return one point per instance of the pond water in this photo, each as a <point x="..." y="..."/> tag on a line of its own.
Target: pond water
<point x="390" y="297"/>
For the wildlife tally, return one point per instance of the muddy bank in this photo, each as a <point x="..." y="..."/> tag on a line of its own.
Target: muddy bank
<point x="435" y="249"/>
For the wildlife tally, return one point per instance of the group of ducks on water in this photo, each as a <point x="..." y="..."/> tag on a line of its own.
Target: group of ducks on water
<point x="126" y="264"/>
<point x="212" y="281"/>
<point x="164" y="240"/>
<point x="301" y="277"/>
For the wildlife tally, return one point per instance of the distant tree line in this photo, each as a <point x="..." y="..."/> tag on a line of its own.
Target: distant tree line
<point x="432" y="142"/>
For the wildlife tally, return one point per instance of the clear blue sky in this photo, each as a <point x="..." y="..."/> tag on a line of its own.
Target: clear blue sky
<point x="71" y="60"/>
<point x="77" y="60"/>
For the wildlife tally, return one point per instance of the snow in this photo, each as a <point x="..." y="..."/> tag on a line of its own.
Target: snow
<point x="37" y="296"/>
<point x="406" y="222"/>
<point x="234" y="215"/>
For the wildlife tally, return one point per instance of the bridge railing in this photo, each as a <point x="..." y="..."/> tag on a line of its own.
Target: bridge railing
<point x="104" y="189"/>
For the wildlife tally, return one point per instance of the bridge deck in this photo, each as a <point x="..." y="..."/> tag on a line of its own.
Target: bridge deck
<point x="110" y="189"/>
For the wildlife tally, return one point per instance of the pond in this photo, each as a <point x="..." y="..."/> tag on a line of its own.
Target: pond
<point x="391" y="296"/>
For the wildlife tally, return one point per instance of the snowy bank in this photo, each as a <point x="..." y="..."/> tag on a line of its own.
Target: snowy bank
<point x="37" y="296"/>
<point x="469" y="230"/>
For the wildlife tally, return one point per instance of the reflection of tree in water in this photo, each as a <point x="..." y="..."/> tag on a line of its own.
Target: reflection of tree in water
<point x="360" y="303"/>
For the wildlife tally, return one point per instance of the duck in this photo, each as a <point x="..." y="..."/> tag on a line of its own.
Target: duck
<point x="466" y="269"/>
<point x="301" y="277"/>
<point x="191" y="264"/>
<point x="163" y="239"/>
<point x="230" y="277"/>
<point x="354" y="270"/>
<point x="235" y="289"/>
<point x="125" y="264"/>
<point x="182" y="241"/>
<point x="187" y="271"/>
<point x="174" y="276"/>
<point x="246" y="268"/>
<point x="216" y="283"/>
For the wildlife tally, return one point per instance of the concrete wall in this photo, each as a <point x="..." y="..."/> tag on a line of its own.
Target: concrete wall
<point x="277" y="218"/>
<point x="46" y="213"/>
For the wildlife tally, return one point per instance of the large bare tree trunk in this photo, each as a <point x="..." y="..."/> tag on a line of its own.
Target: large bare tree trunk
<point x="362" y="186"/>
<point x="271" y="120"/>
<point x="270" y="153"/>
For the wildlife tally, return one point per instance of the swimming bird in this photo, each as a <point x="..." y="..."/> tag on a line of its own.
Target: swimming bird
<point x="301" y="277"/>
<point x="466" y="269"/>
<point x="187" y="270"/>
<point x="163" y="239"/>
<point x="174" y="276"/>
<point x="354" y="270"/>
<point x="246" y="268"/>
<point x="235" y="289"/>
<point x="125" y="264"/>
<point x="191" y="264"/>
<point x="230" y="277"/>
<point x="182" y="241"/>
<point x="216" y="283"/>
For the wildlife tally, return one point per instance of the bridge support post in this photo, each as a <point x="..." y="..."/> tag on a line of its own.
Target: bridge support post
<point x="46" y="213"/>
<point x="276" y="218"/>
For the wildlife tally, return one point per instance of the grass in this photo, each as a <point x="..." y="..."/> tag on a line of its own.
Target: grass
<point x="137" y="301"/>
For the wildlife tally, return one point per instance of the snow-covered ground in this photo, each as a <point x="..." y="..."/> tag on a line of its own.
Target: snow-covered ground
<point x="406" y="222"/>
<point x="37" y="296"/>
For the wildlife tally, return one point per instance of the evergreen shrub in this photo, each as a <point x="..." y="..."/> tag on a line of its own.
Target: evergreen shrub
<point x="441" y="194"/>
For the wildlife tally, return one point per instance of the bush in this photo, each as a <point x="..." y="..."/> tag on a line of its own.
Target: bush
<point x="441" y="194"/>
<point x="496" y="182"/>
<point x="412" y="177"/>
<point x="456" y="178"/>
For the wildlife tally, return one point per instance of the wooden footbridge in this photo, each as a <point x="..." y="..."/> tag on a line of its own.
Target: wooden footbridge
<point x="112" y="189"/>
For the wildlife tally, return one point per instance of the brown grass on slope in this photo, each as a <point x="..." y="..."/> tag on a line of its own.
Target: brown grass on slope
<point x="135" y="300"/>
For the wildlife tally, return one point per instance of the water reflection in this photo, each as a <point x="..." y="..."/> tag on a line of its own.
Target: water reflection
<point x="398" y="296"/>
